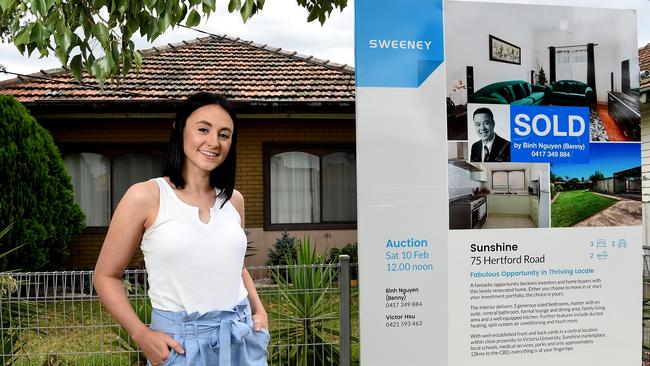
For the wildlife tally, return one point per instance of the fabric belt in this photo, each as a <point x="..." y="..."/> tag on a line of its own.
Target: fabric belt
<point x="222" y="330"/>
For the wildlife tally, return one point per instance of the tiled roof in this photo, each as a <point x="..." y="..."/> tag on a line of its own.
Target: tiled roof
<point x="240" y="70"/>
<point x="644" y="63"/>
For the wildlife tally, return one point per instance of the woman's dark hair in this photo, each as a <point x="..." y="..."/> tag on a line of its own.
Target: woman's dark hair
<point x="223" y="177"/>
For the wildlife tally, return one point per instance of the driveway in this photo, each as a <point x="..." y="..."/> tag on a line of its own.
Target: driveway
<point x="622" y="213"/>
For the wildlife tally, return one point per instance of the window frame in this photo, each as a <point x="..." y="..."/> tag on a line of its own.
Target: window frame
<point x="319" y="149"/>
<point x="111" y="151"/>
<point x="509" y="189"/>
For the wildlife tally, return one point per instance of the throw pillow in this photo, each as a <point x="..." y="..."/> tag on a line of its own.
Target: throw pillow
<point x="571" y="88"/>
<point x="499" y="97"/>
<point x="506" y="94"/>
<point x="519" y="91"/>
<point x="527" y="89"/>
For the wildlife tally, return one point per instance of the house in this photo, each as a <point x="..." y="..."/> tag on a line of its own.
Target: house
<point x="644" y="65"/>
<point x="296" y="160"/>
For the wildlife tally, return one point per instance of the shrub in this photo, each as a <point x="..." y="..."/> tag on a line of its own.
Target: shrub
<point x="37" y="194"/>
<point x="351" y="250"/>
<point x="304" y="321"/>
<point x="283" y="250"/>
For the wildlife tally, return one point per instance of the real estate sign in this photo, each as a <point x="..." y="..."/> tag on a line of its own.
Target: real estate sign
<point x="499" y="184"/>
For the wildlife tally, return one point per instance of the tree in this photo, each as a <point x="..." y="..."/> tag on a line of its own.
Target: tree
<point x="37" y="194"/>
<point x="556" y="178"/>
<point x="72" y="28"/>
<point x="541" y="79"/>
<point x="598" y="175"/>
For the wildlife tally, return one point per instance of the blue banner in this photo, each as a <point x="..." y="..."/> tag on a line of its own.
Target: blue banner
<point x="397" y="43"/>
<point x="549" y="134"/>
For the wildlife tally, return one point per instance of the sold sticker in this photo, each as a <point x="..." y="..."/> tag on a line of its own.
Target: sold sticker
<point x="549" y="134"/>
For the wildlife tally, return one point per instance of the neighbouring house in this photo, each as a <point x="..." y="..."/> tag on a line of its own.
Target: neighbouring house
<point x="622" y="182"/>
<point x="296" y="160"/>
<point x="644" y="65"/>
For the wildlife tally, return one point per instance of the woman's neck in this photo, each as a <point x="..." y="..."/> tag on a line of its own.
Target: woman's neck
<point x="196" y="181"/>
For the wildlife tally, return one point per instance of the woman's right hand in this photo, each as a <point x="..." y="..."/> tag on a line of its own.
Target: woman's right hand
<point x="156" y="345"/>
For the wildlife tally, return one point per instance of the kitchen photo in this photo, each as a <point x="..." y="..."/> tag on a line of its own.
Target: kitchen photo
<point x="496" y="195"/>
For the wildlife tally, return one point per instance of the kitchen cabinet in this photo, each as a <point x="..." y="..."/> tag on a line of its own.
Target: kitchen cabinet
<point x="479" y="176"/>
<point x="509" y="204"/>
<point x="534" y="209"/>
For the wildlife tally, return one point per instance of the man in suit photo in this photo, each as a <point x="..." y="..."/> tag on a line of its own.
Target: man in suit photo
<point x="491" y="147"/>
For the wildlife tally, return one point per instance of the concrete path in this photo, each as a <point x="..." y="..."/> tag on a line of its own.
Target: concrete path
<point x="622" y="213"/>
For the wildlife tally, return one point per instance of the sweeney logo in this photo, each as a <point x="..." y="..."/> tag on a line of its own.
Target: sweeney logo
<point x="399" y="44"/>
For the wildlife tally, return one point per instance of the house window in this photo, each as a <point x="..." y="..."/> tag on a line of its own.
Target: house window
<point x="132" y="168"/>
<point x="90" y="175"/>
<point x="310" y="188"/>
<point x="99" y="182"/>
<point x="509" y="180"/>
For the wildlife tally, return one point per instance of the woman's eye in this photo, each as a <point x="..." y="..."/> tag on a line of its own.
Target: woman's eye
<point x="224" y="135"/>
<point x="203" y="130"/>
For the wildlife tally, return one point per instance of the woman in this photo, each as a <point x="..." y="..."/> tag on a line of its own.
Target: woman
<point x="189" y="227"/>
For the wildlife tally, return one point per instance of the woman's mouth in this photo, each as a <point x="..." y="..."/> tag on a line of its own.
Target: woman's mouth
<point x="208" y="154"/>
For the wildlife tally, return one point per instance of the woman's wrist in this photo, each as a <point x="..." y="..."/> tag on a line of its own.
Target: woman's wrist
<point x="138" y="332"/>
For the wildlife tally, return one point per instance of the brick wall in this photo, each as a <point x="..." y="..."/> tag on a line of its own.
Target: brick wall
<point x="249" y="152"/>
<point x="113" y="137"/>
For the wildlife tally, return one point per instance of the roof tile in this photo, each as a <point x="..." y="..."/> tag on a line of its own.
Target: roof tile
<point x="241" y="70"/>
<point x="644" y="63"/>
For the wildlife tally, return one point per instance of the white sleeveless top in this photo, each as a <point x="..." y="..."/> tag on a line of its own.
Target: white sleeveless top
<point x="193" y="266"/>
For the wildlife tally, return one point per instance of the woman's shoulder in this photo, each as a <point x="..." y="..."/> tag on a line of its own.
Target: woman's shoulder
<point x="143" y="193"/>
<point x="237" y="200"/>
<point x="237" y="196"/>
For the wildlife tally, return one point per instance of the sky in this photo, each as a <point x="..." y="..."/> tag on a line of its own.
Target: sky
<point x="607" y="158"/>
<point x="283" y="24"/>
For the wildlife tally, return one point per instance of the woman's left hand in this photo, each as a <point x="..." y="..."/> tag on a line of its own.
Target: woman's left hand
<point x="260" y="321"/>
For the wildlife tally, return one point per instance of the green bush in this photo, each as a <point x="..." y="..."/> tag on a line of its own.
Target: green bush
<point x="36" y="191"/>
<point x="304" y="320"/>
<point x="283" y="251"/>
<point x="351" y="250"/>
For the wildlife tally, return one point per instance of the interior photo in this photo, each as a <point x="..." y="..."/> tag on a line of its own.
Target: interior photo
<point x="496" y="195"/>
<point x="544" y="55"/>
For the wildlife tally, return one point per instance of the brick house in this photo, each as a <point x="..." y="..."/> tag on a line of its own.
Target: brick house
<point x="644" y="65"/>
<point x="296" y="160"/>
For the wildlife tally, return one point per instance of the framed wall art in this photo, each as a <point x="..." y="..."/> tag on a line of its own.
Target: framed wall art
<point x="502" y="51"/>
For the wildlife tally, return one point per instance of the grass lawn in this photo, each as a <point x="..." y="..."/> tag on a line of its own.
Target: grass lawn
<point x="571" y="207"/>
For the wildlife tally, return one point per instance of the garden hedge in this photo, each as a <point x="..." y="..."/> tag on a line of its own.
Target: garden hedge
<point x="36" y="193"/>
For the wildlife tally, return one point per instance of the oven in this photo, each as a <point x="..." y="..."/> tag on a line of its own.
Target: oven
<point x="467" y="212"/>
<point x="479" y="212"/>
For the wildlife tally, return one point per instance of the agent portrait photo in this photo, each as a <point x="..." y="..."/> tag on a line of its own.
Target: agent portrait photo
<point x="490" y="147"/>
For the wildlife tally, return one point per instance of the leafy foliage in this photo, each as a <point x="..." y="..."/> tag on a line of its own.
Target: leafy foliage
<point x="541" y="78"/>
<point x="598" y="175"/>
<point x="37" y="194"/>
<point x="304" y="322"/>
<point x="71" y="29"/>
<point x="351" y="250"/>
<point x="12" y="314"/>
<point x="283" y="250"/>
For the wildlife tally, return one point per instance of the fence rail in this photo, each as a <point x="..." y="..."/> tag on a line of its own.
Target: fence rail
<point x="56" y="318"/>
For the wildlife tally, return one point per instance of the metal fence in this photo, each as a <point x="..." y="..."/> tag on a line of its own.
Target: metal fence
<point x="56" y="318"/>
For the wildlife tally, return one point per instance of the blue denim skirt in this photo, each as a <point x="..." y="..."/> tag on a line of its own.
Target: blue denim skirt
<point x="219" y="338"/>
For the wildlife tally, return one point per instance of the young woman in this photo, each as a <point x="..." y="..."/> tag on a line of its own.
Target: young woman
<point x="189" y="227"/>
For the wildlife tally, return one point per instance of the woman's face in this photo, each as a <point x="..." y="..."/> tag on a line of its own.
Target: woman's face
<point x="207" y="137"/>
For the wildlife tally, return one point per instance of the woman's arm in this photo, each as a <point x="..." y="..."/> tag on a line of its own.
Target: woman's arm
<point x="260" y="318"/>
<point x="135" y="212"/>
